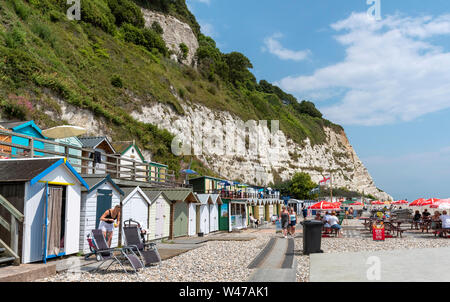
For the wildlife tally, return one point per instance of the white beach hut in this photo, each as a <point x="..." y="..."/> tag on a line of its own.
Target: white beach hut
<point x="214" y="213"/>
<point x="103" y="194"/>
<point x="135" y="206"/>
<point x="159" y="219"/>
<point x="203" y="215"/>
<point x="47" y="191"/>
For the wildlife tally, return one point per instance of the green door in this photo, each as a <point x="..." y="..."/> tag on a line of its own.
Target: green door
<point x="180" y="219"/>
<point x="223" y="216"/>
<point x="104" y="201"/>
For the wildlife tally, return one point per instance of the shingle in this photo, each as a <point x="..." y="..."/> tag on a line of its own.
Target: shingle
<point x="23" y="169"/>
<point x="91" y="142"/>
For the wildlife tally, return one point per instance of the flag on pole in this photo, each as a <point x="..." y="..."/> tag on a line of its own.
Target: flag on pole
<point x="325" y="180"/>
<point x="315" y="190"/>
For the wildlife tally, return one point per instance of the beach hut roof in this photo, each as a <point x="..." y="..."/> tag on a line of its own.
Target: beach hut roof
<point x="96" y="180"/>
<point x="16" y="126"/>
<point x="176" y="194"/>
<point x="216" y="199"/>
<point x="153" y="195"/>
<point x="204" y="198"/>
<point x="33" y="169"/>
<point x="94" y="141"/>
<point x="130" y="192"/>
<point x="124" y="146"/>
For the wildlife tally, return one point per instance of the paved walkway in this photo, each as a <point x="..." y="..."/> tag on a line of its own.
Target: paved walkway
<point x="414" y="265"/>
<point x="275" y="263"/>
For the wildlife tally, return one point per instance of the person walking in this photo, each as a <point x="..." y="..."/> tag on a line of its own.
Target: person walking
<point x="304" y="212"/>
<point x="292" y="221"/>
<point x="107" y="224"/>
<point x="284" y="220"/>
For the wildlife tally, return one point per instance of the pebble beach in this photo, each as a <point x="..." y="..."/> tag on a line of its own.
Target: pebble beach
<point x="227" y="261"/>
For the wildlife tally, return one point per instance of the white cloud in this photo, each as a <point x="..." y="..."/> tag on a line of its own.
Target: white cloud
<point x="273" y="45"/>
<point x="208" y="29"/>
<point x="391" y="72"/>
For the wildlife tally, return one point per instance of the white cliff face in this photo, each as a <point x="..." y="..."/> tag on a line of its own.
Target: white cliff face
<point x="175" y="33"/>
<point x="248" y="154"/>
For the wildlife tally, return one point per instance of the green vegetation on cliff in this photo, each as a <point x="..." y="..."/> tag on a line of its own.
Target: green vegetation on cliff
<point x="111" y="65"/>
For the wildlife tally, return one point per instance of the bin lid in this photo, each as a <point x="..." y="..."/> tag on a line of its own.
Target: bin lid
<point x="312" y="222"/>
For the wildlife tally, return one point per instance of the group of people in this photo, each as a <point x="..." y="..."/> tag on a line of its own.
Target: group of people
<point x="288" y="221"/>
<point x="434" y="219"/>
<point x="331" y="221"/>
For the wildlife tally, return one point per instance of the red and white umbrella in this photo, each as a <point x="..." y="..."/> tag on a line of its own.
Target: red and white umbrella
<point x="445" y="203"/>
<point x="325" y="205"/>
<point x="416" y="202"/>
<point x="400" y="202"/>
<point x="356" y="204"/>
<point x="378" y="202"/>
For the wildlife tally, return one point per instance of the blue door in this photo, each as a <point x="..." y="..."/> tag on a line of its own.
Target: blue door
<point x="104" y="202"/>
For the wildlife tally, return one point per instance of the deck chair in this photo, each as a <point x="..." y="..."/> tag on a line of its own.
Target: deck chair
<point x="104" y="253"/>
<point x="147" y="251"/>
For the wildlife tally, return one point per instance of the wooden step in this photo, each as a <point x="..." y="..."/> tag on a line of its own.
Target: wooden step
<point x="4" y="260"/>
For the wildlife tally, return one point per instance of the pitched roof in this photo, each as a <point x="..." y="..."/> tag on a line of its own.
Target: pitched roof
<point x="33" y="169"/>
<point x="129" y="193"/>
<point x="96" y="180"/>
<point x="122" y="148"/>
<point x="94" y="141"/>
<point x="204" y="198"/>
<point x="22" y="124"/>
<point x="174" y="195"/>
<point x="25" y="169"/>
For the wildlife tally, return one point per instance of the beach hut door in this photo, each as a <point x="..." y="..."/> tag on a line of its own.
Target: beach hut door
<point x="159" y="220"/>
<point x="104" y="202"/>
<point x="55" y="217"/>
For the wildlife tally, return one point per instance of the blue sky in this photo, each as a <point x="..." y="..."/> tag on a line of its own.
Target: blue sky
<point x="387" y="81"/>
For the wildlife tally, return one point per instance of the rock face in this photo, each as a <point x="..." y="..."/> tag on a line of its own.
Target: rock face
<point x="175" y="33"/>
<point x="254" y="154"/>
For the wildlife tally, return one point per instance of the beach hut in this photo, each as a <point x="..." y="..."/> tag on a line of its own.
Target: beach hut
<point x="47" y="191"/>
<point x="97" y="145"/>
<point x="206" y="184"/>
<point x="28" y="128"/>
<point x="102" y="194"/>
<point x="71" y="142"/>
<point x="214" y="213"/>
<point x="136" y="206"/>
<point x="159" y="219"/>
<point x="193" y="222"/>
<point x="203" y="214"/>
<point x="129" y="150"/>
<point x="5" y="151"/>
<point x="158" y="172"/>
<point x="180" y="199"/>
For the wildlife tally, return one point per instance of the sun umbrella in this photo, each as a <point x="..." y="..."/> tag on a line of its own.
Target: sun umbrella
<point x="437" y="203"/>
<point x="378" y="202"/>
<point x="416" y="202"/>
<point x="242" y="186"/>
<point x="356" y="204"/>
<point x="428" y="202"/>
<point x="325" y="205"/>
<point x="188" y="171"/>
<point x="224" y="183"/>
<point x="400" y="202"/>
<point x="64" y="131"/>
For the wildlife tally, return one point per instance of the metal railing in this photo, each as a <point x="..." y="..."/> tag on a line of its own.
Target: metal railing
<point x="12" y="227"/>
<point x="115" y="165"/>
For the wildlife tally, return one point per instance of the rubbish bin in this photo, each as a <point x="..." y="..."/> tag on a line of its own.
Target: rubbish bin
<point x="312" y="236"/>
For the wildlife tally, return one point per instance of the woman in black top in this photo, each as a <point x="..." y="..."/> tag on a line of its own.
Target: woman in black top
<point x="284" y="220"/>
<point x="107" y="224"/>
<point x="416" y="219"/>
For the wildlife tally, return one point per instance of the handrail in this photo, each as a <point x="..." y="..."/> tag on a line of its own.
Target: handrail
<point x="12" y="228"/>
<point x="11" y="209"/>
<point x="117" y="166"/>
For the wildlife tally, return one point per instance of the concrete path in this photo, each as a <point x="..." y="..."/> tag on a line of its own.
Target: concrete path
<point x="414" y="265"/>
<point x="26" y="272"/>
<point x="275" y="263"/>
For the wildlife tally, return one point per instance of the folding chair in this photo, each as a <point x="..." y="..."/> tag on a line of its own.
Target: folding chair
<point x="147" y="251"/>
<point x="105" y="253"/>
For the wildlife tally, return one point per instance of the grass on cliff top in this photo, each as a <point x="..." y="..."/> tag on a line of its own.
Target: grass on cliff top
<point x="44" y="55"/>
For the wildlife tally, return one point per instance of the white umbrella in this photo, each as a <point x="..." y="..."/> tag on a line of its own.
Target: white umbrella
<point x="64" y="131"/>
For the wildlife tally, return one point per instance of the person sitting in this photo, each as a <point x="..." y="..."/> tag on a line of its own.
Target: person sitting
<point x="333" y="221"/>
<point x="416" y="219"/>
<point x="445" y="222"/>
<point x="435" y="219"/>
<point x="318" y="217"/>
<point x="426" y="215"/>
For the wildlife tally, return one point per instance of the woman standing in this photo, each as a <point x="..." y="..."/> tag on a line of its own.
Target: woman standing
<point x="284" y="220"/>
<point x="107" y="224"/>
<point x="292" y="221"/>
